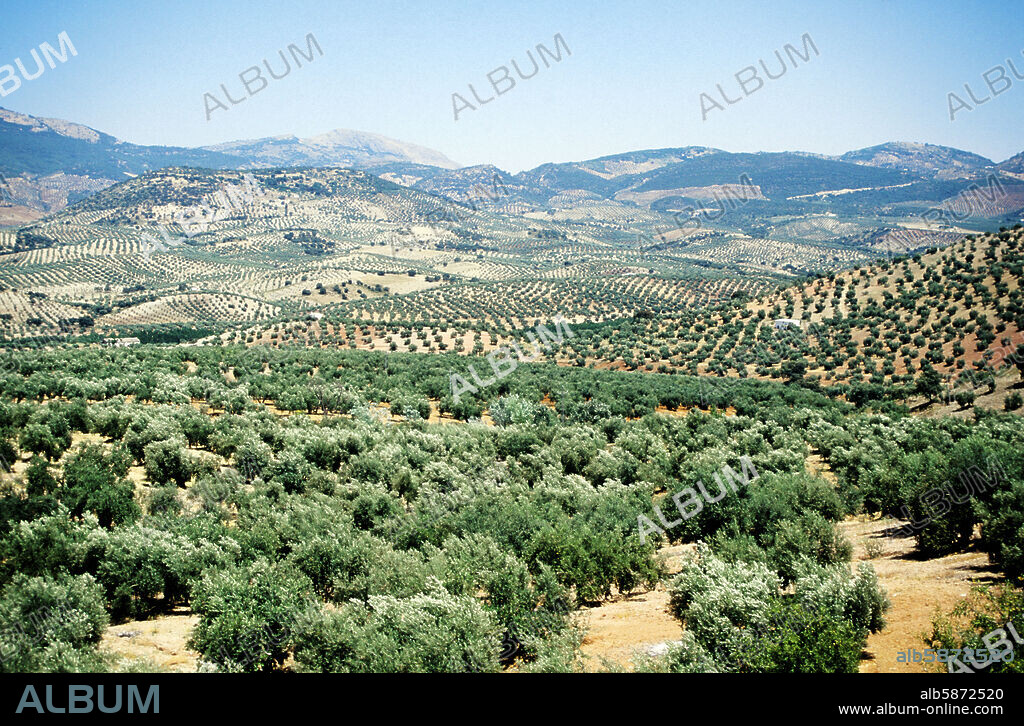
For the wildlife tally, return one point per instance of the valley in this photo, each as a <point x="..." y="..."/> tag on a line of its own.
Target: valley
<point x="237" y="432"/>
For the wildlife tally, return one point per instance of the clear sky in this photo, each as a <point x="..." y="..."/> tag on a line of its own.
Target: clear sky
<point x="633" y="80"/>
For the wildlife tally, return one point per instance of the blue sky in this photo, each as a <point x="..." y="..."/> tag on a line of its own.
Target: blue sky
<point x="633" y="80"/>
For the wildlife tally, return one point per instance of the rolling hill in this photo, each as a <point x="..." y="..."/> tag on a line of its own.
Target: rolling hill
<point x="939" y="329"/>
<point x="943" y="162"/>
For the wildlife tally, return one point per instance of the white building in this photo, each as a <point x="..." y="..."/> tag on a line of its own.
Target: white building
<point x="783" y="323"/>
<point x="121" y="342"/>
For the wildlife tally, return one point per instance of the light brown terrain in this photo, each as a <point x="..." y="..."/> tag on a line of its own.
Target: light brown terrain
<point x="918" y="588"/>
<point x="627" y="624"/>
<point x="154" y="645"/>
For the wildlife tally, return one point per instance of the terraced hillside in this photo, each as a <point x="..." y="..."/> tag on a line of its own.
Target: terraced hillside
<point x="298" y="240"/>
<point x="942" y="326"/>
<point x="181" y="253"/>
<point x="305" y="240"/>
<point x="901" y="326"/>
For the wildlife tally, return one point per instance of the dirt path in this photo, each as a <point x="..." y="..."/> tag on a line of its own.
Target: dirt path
<point x="620" y="627"/>
<point x="918" y="588"/>
<point x="817" y="466"/>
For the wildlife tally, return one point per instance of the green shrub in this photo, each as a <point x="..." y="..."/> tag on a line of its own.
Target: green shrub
<point x="686" y="655"/>
<point x="39" y="438"/>
<point x="51" y="624"/>
<point x="349" y="564"/>
<point x="795" y="639"/>
<point x="530" y="609"/>
<point x="52" y="544"/>
<point x="374" y="506"/>
<point x="509" y="410"/>
<point x="1002" y="529"/>
<point x="8" y="453"/>
<point x="133" y="572"/>
<point x="166" y="462"/>
<point x="248" y="615"/>
<point x="95" y="481"/>
<point x="986" y="610"/>
<point x="145" y="570"/>
<point x="711" y="596"/>
<point x="555" y="653"/>
<point x="857" y="598"/>
<point x="738" y="620"/>
<point x="432" y="632"/>
<point x="214" y="492"/>
<point x="809" y="535"/>
<point x="591" y="560"/>
<point x="164" y="501"/>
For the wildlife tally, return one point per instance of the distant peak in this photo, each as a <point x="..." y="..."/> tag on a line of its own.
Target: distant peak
<point x="338" y="147"/>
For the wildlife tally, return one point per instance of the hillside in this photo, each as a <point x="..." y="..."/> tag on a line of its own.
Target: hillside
<point x="941" y="161"/>
<point x="1014" y="165"/>
<point x="365" y="250"/>
<point x="919" y="329"/>
<point x="46" y="164"/>
<point x="344" y="234"/>
<point x="901" y="327"/>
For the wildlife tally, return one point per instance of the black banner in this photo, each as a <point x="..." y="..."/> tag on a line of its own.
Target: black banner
<point x="197" y="698"/>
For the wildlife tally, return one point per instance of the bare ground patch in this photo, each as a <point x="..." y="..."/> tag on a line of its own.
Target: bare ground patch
<point x="157" y="644"/>
<point x="918" y="588"/>
<point x="633" y="622"/>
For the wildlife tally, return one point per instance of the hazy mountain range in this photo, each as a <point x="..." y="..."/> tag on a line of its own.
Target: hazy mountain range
<point x="50" y="163"/>
<point x="341" y="147"/>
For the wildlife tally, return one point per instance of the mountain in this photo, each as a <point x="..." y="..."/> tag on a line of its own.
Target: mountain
<point x="665" y="178"/>
<point x="638" y="162"/>
<point x="341" y="147"/>
<point x="484" y="185"/>
<point x="38" y="146"/>
<point x="648" y="177"/>
<point x="779" y="175"/>
<point x="942" y="162"/>
<point x="50" y="163"/>
<point x="47" y="164"/>
<point x="1013" y="165"/>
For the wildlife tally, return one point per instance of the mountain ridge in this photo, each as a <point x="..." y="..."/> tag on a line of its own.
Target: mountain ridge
<point x="47" y="164"/>
<point x="51" y="163"/>
<point x="338" y="147"/>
